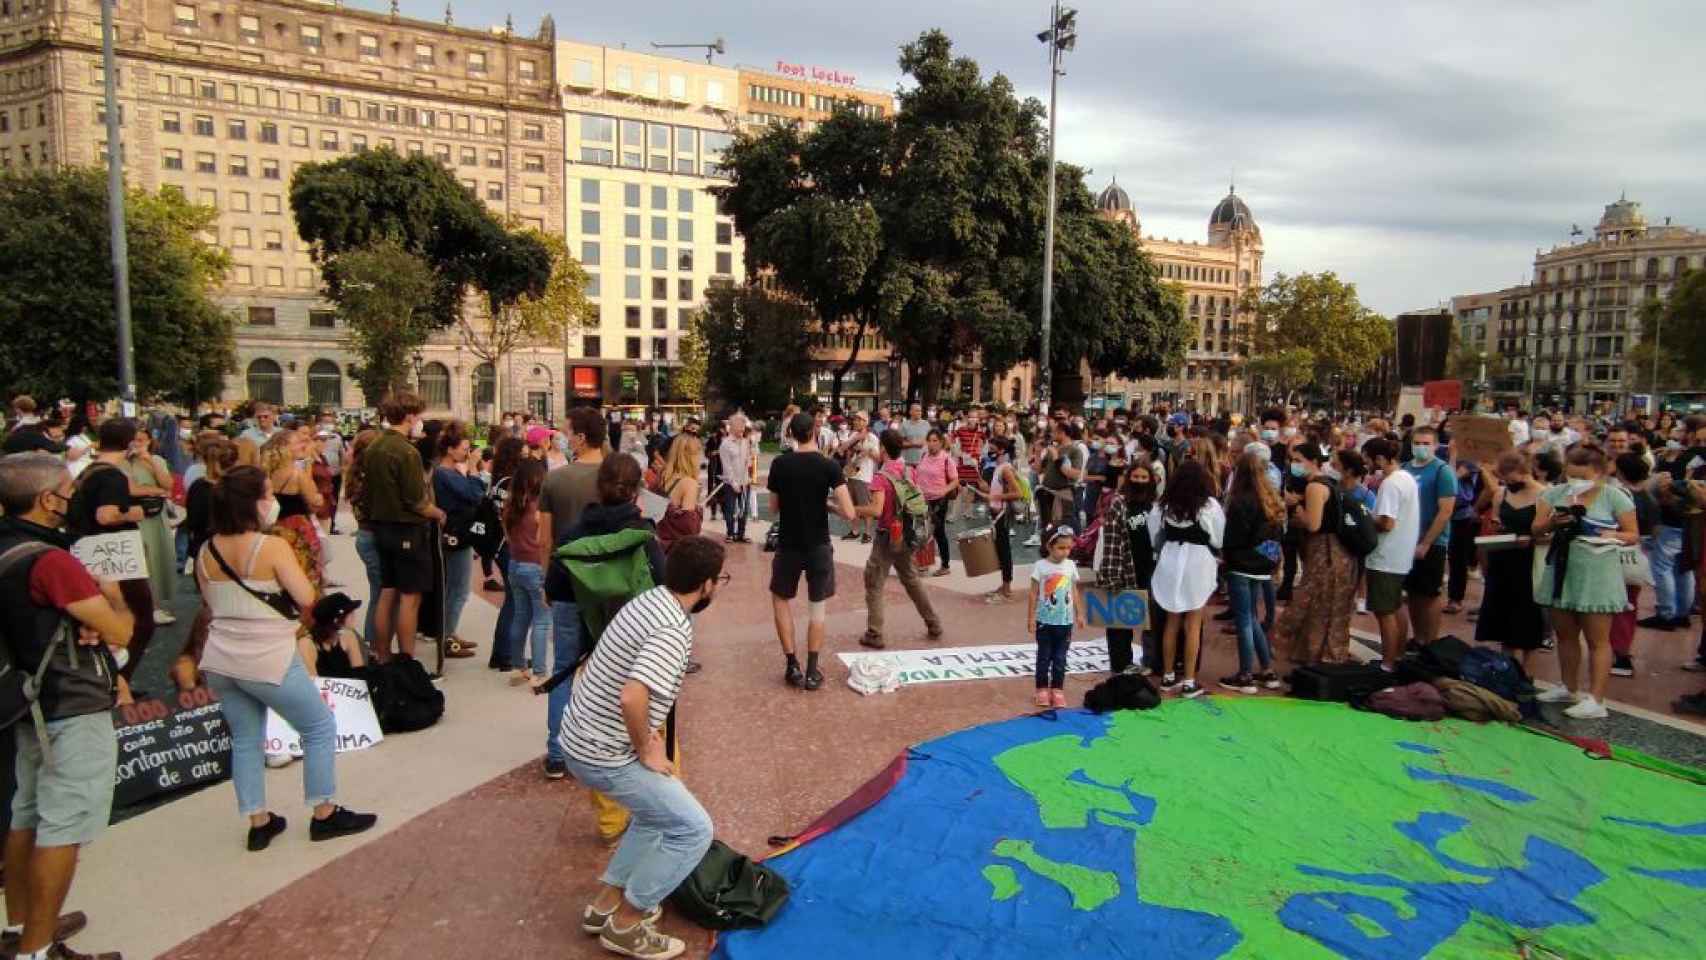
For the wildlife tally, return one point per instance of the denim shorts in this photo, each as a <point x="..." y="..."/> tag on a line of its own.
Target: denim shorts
<point x="69" y="801"/>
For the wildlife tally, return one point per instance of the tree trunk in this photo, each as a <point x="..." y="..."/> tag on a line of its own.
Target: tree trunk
<point x="847" y="367"/>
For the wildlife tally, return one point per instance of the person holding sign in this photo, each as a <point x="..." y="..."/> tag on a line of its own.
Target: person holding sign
<point x="102" y="505"/>
<point x="67" y="754"/>
<point x="256" y="591"/>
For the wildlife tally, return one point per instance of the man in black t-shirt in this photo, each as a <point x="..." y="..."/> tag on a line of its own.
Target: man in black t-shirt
<point x="804" y="486"/>
<point x="102" y="504"/>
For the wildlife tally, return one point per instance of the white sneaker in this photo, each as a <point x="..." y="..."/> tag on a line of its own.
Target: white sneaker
<point x="162" y="618"/>
<point x="277" y="760"/>
<point x="1362" y="605"/>
<point x="1034" y="541"/>
<point x="1587" y="708"/>
<point x="1556" y="695"/>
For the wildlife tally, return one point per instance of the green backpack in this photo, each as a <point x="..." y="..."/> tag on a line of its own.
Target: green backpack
<point x="727" y="891"/>
<point x="912" y="509"/>
<point x="606" y="570"/>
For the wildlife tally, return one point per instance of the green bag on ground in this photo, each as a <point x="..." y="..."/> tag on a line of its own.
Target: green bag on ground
<point x="727" y="891"/>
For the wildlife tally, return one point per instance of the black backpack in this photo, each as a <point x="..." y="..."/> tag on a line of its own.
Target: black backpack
<point x="727" y="891"/>
<point x="1122" y="691"/>
<point x="404" y="698"/>
<point x="1352" y="521"/>
<point x="483" y="529"/>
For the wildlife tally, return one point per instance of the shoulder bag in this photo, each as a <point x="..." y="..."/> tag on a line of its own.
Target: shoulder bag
<point x="280" y="601"/>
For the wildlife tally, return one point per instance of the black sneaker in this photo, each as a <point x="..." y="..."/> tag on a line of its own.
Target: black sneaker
<point x="1241" y="683"/>
<point x="1623" y="667"/>
<point x="1191" y="690"/>
<point x="693" y="666"/>
<point x="814" y="679"/>
<point x="1656" y="622"/>
<point x="260" y="836"/>
<point x="1693" y="703"/>
<point x="794" y="678"/>
<point x="341" y="823"/>
<point x="850" y="536"/>
<point x="555" y="769"/>
<point x="1269" y="680"/>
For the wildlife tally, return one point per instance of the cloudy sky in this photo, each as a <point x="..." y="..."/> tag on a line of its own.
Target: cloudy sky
<point x="1421" y="149"/>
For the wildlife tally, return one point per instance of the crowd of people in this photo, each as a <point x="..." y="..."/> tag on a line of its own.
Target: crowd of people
<point x="1565" y="527"/>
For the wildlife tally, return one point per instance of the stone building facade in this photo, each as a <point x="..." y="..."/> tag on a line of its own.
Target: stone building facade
<point x="225" y="99"/>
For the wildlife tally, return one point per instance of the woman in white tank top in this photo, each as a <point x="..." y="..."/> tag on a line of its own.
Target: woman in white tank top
<point x="253" y="658"/>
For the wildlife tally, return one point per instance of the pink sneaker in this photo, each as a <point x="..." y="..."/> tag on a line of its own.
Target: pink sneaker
<point x="1058" y="697"/>
<point x="1042" y="698"/>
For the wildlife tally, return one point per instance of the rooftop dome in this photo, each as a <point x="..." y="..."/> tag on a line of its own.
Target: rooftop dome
<point x="1113" y="198"/>
<point x="1232" y="212"/>
<point x="1624" y="213"/>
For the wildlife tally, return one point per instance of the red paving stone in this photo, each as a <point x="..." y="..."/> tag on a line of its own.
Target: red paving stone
<point x="503" y="870"/>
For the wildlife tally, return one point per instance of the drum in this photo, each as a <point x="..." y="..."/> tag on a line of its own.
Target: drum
<point x="977" y="552"/>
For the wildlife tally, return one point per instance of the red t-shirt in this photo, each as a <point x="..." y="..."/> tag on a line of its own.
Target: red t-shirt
<point x="970" y="441"/>
<point x="880" y="481"/>
<point x="59" y="580"/>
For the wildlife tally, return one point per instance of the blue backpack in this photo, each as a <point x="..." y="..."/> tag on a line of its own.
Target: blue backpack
<point x="1496" y="672"/>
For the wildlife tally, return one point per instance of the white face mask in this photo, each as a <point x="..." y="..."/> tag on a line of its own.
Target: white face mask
<point x="269" y="513"/>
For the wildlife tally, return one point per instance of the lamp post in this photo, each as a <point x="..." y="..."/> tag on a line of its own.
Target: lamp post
<point x="1061" y="36"/>
<point x="115" y="215"/>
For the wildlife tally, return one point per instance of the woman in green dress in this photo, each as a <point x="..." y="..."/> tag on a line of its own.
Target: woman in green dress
<point x="151" y="487"/>
<point x="1586" y="521"/>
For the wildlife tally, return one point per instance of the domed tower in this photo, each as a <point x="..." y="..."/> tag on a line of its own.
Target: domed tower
<point x="1233" y="219"/>
<point x="1622" y="221"/>
<point x="1115" y="204"/>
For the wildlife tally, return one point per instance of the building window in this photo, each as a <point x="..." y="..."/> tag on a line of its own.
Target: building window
<point x="725" y="263"/>
<point x="592" y="346"/>
<point x="485" y="385"/>
<point x="527" y="70"/>
<point x="533" y="163"/>
<point x="631" y="317"/>
<point x="367" y="44"/>
<point x="725" y="234"/>
<point x="325" y="319"/>
<point x="263" y="317"/>
<point x="684" y="230"/>
<point x="589" y="254"/>
<point x="589" y="222"/>
<point x="249" y="29"/>
<point x="183" y="14"/>
<point x="660" y="258"/>
<point x="266" y="380"/>
<point x="631" y="198"/>
<point x="423" y="55"/>
<point x="434" y="384"/>
<point x="660" y="348"/>
<point x="631" y="226"/>
<point x="325" y="383"/>
<point x="169" y="122"/>
<point x="270" y="201"/>
<point x="310" y="37"/>
<point x="269" y="170"/>
<point x="634" y="347"/>
<point x="328" y="140"/>
<point x="660" y="228"/>
<point x="441" y="152"/>
<point x="239" y="201"/>
<point x="495" y="159"/>
<point x="494" y="191"/>
<point x="268" y="133"/>
<point x="237" y="166"/>
<point x="206" y="163"/>
<point x="660" y="318"/>
<point x="684" y="288"/>
<point x="272" y="240"/>
<point x="660" y="288"/>
<point x="203" y="126"/>
<point x="684" y="259"/>
<point x="477" y="62"/>
<point x="589" y="191"/>
<point x="631" y="286"/>
<point x="172" y="159"/>
<point x="631" y="256"/>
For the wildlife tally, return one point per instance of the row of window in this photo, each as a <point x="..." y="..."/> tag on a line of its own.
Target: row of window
<point x="1190" y="273"/>
<point x="25" y="7"/>
<point x="781" y="96"/>
<point x="26" y="113"/>
<point x="650" y="82"/>
<point x="186" y="18"/>
<point x="28" y="154"/>
<point x="267" y="168"/>
<point x="372" y="111"/>
<point x="237" y="128"/>
<point x="591" y="192"/>
<point x="1619" y="270"/>
<point x="592" y="255"/>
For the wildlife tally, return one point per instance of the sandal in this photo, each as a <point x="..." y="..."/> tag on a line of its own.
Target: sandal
<point x="457" y="650"/>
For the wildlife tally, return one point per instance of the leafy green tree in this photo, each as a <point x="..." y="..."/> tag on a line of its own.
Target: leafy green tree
<point x="1319" y="313"/>
<point x="58" y="329"/>
<point x="692" y="375"/>
<point x="757" y="345"/>
<point x="1281" y="372"/>
<point x="545" y="317"/>
<point x="1675" y="329"/>
<point x="385" y="297"/>
<point x="415" y="202"/>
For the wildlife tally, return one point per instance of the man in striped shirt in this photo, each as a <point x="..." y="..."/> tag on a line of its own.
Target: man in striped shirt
<point x="613" y="741"/>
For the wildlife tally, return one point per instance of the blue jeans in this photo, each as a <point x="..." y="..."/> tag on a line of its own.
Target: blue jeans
<point x="666" y="839"/>
<point x="1673" y="582"/>
<point x="1052" y="642"/>
<point x="368" y="551"/>
<point x="1242" y="592"/>
<point x="181" y="543"/>
<point x="532" y="613"/>
<point x="565" y="650"/>
<point x="734" y="511"/>
<point x="297" y="700"/>
<point x="458" y="569"/>
<point x="500" y="656"/>
<point x="1268" y="599"/>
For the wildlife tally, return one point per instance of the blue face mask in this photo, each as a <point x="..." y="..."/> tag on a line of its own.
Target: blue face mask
<point x="1269" y="436"/>
<point x="1422" y="452"/>
<point x="1298" y="471"/>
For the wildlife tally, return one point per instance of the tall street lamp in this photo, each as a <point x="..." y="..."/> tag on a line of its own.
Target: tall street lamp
<point x="1061" y="36"/>
<point x="115" y="215"/>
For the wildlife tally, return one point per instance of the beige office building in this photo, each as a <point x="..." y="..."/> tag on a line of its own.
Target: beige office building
<point x="225" y="99"/>
<point x="1212" y="275"/>
<point x="644" y="140"/>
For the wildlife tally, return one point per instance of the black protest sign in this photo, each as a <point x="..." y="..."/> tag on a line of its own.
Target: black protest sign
<point x="166" y="746"/>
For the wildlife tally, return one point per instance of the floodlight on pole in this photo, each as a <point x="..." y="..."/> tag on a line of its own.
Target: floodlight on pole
<point x="714" y="47"/>
<point x="1061" y="36"/>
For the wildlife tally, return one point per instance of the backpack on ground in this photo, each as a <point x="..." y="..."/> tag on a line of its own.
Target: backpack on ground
<point x="1477" y="703"/>
<point x="912" y="509"/>
<point x="1353" y="523"/>
<point x="1412" y="701"/>
<point x="1444" y="657"/>
<point x="1122" y="691"/>
<point x="403" y="694"/>
<point x="1497" y="672"/>
<point x="1338" y="682"/>
<point x="728" y="891"/>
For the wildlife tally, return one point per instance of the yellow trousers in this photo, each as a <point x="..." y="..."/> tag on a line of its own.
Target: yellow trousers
<point x="612" y="817"/>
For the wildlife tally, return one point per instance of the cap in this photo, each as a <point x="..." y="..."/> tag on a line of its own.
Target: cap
<point x="334" y="607"/>
<point x="537" y="436"/>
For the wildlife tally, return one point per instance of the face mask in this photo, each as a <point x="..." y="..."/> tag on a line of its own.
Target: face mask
<point x="1578" y="487"/>
<point x="1673" y="444"/>
<point x="269" y="513"/>
<point x="1422" y="452"/>
<point x="59" y="514"/>
<point x="1269" y="436"/>
<point x="1331" y="473"/>
<point x="1298" y="471"/>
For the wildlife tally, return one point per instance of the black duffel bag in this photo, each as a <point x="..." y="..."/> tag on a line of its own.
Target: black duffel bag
<point x="1338" y="682"/>
<point x="728" y="891"/>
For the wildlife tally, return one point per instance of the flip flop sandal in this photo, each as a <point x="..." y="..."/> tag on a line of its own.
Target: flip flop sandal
<point x="457" y="650"/>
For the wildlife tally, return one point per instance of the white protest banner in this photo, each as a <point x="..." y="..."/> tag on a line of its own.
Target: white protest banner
<point x="112" y="556"/>
<point x="352" y="707"/>
<point x="1000" y="662"/>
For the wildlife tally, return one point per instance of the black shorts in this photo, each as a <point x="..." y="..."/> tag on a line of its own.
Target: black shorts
<point x="1427" y="575"/>
<point x="818" y="565"/>
<point x="405" y="557"/>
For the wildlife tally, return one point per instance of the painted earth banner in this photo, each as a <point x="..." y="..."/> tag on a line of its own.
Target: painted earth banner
<point x="1249" y="828"/>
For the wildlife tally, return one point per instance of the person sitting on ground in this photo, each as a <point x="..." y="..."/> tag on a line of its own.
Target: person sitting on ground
<point x="613" y="742"/>
<point x="336" y="648"/>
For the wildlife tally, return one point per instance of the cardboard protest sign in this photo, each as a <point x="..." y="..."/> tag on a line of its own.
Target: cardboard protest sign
<point x="112" y="556"/>
<point x="1125" y="610"/>
<point x="1479" y="439"/>
<point x="352" y="707"/>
